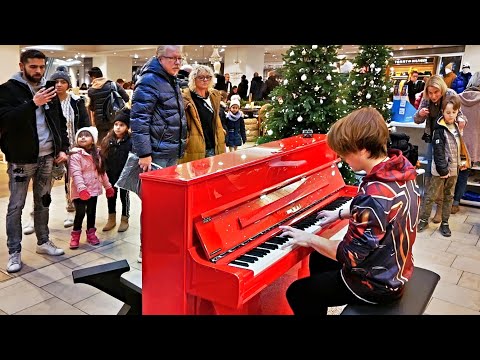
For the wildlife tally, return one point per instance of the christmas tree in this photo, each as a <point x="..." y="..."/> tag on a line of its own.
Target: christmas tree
<point x="368" y="84"/>
<point x="309" y="96"/>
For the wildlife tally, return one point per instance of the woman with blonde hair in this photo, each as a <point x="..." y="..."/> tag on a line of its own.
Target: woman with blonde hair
<point x="206" y="136"/>
<point x="429" y="111"/>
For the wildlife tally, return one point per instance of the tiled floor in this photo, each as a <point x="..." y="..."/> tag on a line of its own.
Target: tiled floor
<point x="45" y="285"/>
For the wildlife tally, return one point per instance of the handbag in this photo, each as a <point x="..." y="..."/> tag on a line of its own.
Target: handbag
<point x="129" y="178"/>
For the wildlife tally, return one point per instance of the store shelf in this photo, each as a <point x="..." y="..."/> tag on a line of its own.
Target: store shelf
<point x="407" y="124"/>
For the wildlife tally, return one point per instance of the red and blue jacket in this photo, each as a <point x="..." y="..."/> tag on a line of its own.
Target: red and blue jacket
<point x="376" y="251"/>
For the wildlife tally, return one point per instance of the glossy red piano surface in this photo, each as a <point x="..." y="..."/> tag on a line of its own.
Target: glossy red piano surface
<point x="194" y="212"/>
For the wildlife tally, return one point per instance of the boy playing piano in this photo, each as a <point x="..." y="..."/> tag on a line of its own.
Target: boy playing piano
<point x="374" y="260"/>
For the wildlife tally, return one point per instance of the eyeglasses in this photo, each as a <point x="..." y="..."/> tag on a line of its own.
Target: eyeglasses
<point x="204" y="78"/>
<point x="173" y="59"/>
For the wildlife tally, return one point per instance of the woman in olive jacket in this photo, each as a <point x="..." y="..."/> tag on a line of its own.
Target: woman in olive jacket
<point x="206" y="135"/>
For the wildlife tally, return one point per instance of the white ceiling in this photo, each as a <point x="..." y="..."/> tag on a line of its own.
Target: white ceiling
<point x="200" y="53"/>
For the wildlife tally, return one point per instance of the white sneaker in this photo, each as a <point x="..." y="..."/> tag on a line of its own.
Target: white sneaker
<point x="28" y="229"/>
<point x="14" y="262"/>
<point x="68" y="223"/>
<point x="139" y="259"/>
<point x="49" y="248"/>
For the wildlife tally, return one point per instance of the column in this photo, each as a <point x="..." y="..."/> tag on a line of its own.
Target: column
<point x="10" y="55"/>
<point x="114" y="67"/>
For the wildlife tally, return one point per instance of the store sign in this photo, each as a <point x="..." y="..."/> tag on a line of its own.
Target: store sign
<point x="414" y="61"/>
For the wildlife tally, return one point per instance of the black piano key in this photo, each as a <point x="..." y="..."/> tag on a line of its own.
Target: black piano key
<point x="239" y="263"/>
<point x="278" y="240"/>
<point x="268" y="246"/>
<point x="247" y="258"/>
<point x="256" y="252"/>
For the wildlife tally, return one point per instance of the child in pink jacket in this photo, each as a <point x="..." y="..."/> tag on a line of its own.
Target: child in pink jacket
<point x="88" y="175"/>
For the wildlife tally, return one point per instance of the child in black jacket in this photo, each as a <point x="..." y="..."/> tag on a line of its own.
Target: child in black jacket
<point x="115" y="148"/>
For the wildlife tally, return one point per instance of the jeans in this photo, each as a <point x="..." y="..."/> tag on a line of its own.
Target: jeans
<point x="164" y="162"/>
<point x="209" y="152"/>
<point x="19" y="176"/>
<point x="461" y="186"/>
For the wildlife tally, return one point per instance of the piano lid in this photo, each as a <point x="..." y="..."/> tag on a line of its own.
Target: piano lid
<point x="227" y="230"/>
<point x="199" y="170"/>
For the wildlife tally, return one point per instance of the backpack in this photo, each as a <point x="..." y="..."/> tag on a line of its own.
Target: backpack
<point x="112" y="103"/>
<point x="401" y="141"/>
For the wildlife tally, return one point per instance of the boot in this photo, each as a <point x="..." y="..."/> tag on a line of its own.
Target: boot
<point x="455" y="209"/>
<point x="75" y="239"/>
<point x="111" y="223"/>
<point x="92" y="238"/>
<point x="438" y="214"/>
<point x="123" y="224"/>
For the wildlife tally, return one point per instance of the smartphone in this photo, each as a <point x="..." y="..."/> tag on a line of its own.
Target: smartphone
<point x="50" y="83"/>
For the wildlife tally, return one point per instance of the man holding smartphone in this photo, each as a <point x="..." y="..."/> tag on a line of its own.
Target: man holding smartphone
<point x="33" y="137"/>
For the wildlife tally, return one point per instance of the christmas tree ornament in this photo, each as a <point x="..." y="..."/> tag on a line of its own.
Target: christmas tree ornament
<point x="353" y="82"/>
<point x="304" y="52"/>
<point x="316" y="88"/>
<point x="270" y="132"/>
<point x="285" y="82"/>
<point x="300" y="118"/>
<point x="329" y="77"/>
<point x="368" y="96"/>
<point x="314" y="47"/>
<point x="292" y="53"/>
<point x="304" y="77"/>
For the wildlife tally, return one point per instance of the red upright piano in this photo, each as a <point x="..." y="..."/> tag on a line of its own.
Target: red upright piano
<point x="210" y="227"/>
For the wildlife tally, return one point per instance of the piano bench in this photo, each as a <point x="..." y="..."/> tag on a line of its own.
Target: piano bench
<point x="109" y="278"/>
<point x="416" y="297"/>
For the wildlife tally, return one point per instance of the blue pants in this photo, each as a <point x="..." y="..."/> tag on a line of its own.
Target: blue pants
<point x="461" y="186"/>
<point x="19" y="176"/>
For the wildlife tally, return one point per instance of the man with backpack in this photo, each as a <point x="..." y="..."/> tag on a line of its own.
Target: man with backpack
<point x="99" y="95"/>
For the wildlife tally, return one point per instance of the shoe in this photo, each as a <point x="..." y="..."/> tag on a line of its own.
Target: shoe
<point x="75" y="239"/>
<point x="123" y="224"/>
<point x="139" y="259"/>
<point x="445" y="230"/>
<point x="111" y="223"/>
<point x="14" y="262"/>
<point x="68" y="223"/>
<point x="92" y="238"/>
<point x="422" y="225"/>
<point x="49" y="248"/>
<point x="28" y="229"/>
<point x="455" y="209"/>
<point x="438" y="215"/>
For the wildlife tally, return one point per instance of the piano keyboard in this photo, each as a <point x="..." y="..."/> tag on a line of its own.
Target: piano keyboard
<point x="270" y="251"/>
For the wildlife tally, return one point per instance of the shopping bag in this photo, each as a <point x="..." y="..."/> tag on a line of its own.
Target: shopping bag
<point x="130" y="176"/>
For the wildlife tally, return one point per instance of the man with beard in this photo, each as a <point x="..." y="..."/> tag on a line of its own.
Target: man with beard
<point x="33" y="138"/>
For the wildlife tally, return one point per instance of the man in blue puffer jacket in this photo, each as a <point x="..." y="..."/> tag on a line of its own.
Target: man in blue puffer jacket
<point x="157" y="118"/>
<point x="158" y="123"/>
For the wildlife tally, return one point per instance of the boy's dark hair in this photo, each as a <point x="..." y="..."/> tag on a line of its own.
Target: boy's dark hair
<point x="31" y="54"/>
